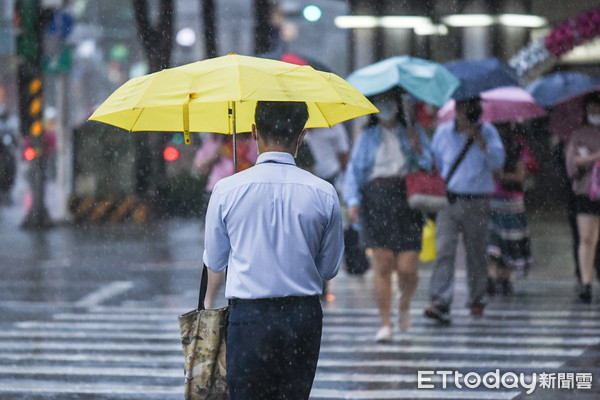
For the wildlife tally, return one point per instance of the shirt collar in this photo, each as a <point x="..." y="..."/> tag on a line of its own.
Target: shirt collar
<point x="276" y="157"/>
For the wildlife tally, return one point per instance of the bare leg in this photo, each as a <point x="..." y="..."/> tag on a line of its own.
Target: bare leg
<point x="383" y="263"/>
<point x="587" y="226"/>
<point x="408" y="278"/>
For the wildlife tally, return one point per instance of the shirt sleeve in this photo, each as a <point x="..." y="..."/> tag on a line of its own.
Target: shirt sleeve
<point x="495" y="149"/>
<point x="436" y="146"/>
<point x="426" y="156"/>
<point x="216" y="239"/>
<point x="332" y="245"/>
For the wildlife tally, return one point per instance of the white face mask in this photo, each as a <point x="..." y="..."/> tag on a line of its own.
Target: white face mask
<point x="594" y="119"/>
<point x="387" y="109"/>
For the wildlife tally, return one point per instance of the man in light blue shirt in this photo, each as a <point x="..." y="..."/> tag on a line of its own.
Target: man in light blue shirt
<point x="278" y="230"/>
<point x="469" y="189"/>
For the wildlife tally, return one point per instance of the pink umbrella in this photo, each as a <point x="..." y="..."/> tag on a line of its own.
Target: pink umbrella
<point x="567" y="115"/>
<point x="503" y="104"/>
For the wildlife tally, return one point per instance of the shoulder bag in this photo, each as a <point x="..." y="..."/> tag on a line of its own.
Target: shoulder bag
<point x="426" y="191"/>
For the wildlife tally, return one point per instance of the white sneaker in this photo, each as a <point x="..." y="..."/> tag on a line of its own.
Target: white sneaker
<point x="384" y="334"/>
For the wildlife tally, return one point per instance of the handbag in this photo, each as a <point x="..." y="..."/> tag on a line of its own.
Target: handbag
<point x="595" y="186"/>
<point x="203" y="338"/>
<point x="426" y="191"/>
<point x="356" y="260"/>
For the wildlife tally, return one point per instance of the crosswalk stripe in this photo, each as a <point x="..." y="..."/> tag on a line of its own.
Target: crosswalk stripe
<point x="179" y="375"/>
<point x="159" y="313"/>
<point x="103" y="388"/>
<point x="323" y="362"/>
<point x="349" y="336"/>
<point x="327" y="328"/>
<point x="387" y="349"/>
<point x="105" y="292"/>
<point x="411" y="394"/>
<point x="87" y="388"/>
<point x="371" y="349"/>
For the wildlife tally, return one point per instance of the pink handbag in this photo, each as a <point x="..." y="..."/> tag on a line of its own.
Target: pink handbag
<point x="426" y="191"/>
<point x="595" y="186"/>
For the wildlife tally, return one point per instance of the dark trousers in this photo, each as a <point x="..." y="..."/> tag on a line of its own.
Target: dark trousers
<point x="273" y="347"/>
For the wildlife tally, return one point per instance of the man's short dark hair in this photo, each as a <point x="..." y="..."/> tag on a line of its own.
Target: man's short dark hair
<point x="280" y="122"/>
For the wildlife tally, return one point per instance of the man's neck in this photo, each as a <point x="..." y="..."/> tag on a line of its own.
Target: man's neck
<point x="281" y="149"/>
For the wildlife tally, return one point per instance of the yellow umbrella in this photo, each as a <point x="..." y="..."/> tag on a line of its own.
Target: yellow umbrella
<point x="220" y="95"/>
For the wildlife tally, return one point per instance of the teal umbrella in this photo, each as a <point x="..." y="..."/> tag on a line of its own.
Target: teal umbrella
<point x="424" y="79"/>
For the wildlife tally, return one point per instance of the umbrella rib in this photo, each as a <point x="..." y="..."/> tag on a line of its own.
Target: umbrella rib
<point x="136" y="119"/>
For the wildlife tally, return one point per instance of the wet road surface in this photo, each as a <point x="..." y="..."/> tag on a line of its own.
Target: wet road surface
<point x="91" y="313"/>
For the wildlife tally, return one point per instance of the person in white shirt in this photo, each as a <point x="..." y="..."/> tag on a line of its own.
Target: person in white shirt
<point x="278" y="230"/>
<point x="331" y="149"/>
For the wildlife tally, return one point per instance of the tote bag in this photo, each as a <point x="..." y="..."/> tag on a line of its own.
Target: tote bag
<point x="203" y="338"/>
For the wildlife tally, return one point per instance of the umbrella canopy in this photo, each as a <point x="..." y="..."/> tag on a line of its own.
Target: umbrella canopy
<point x="477" y="76"/>
<point x="552" y="88"/>
<point x="567" y="115"/>
<point x="508" y="103"/>
<point x="220" y="95"/>
<point x="426" y="80"/>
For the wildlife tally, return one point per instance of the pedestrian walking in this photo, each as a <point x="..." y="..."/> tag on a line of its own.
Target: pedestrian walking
<point x="509" y="247"/>
<point x="583" y="167"/>
<point x="469" y="189"/>
<point x="388" y="149"/>
<point x="278" y="230"/>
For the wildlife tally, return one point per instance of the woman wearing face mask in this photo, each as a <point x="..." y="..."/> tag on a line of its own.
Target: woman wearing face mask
<point x="583" y="153"/>
<point x="390" y="147"/>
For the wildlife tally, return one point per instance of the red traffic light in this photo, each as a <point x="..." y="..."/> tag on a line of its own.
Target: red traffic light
<point x="29" y="153"/>
<point x="171" y="153"/>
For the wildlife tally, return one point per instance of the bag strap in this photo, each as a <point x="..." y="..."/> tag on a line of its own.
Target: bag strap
<point x="459" y="159"/>
<point x="203" y="286"/>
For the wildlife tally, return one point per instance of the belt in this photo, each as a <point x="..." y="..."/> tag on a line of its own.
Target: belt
<point x="467" y="196"/>
<point x="274" y="300"/>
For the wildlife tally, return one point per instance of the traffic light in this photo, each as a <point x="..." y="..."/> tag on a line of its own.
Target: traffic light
<point x="28" y="20"/>
<point x="30" y="101"/>
<point x="171" y="153"/>
<point x="29" y="23"/>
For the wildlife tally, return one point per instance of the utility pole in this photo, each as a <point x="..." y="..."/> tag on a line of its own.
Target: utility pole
<point x="29" y="23"/>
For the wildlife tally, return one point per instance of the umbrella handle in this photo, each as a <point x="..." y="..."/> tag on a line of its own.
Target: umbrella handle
<point x="232" y="110"/>
<point x="186" y="117"/>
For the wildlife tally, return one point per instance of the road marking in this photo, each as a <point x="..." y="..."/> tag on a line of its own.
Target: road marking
<point x="323" y="362"/>
<point x="410" y="394"/>
<point x="358" y="320"/>
<point x="83" y="388"/>
<point x="104" y="293"/>
<point x="327" y="329"/>
<point x="512" y="315"/>
<point x="350" y="336"/>
<point x="104" y="388"/>
<point x="446" y="350"/>
<point x="177" y="373"/>
<point x="372" y="349"/>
